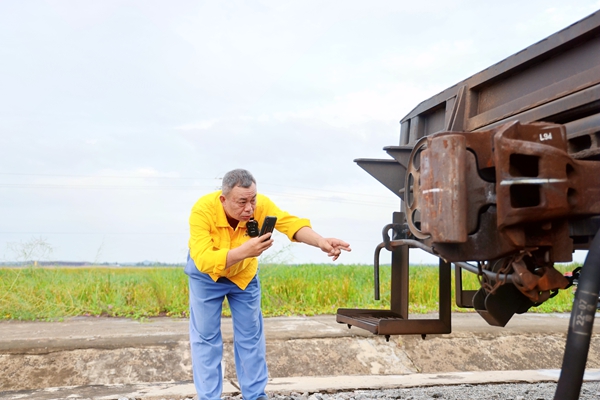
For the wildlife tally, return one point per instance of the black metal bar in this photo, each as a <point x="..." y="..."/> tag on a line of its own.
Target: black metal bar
<point x="376" y="269"/>
<point x="413" y="243"/>
<point x="490" y="274"/>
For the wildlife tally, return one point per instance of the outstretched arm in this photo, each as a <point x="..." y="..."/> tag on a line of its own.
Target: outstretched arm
<point x="332" y="246"/>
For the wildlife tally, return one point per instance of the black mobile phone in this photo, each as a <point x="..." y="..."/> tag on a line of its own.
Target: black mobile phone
<point x="268" y="225"/>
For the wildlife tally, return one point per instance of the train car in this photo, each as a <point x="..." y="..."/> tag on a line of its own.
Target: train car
<point x="499" y="175"/>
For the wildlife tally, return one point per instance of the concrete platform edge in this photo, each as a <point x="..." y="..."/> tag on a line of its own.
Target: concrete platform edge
<point x="185" y="390"/>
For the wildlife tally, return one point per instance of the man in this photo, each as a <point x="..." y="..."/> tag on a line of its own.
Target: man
<point x="222" y="262"/>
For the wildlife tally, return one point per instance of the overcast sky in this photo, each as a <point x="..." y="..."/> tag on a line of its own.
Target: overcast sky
<point x="116" y="116"/>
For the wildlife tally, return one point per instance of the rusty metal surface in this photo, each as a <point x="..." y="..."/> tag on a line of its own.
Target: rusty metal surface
<point x="537" y="285"/>
<point x="445" y="198"/>
<point x="535" y="189"/>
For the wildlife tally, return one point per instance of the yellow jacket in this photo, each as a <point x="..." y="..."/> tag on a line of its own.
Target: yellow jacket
<point x="211" y="236"/>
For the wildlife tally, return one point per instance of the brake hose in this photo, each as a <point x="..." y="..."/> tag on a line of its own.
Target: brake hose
<point x="580" y="326"/>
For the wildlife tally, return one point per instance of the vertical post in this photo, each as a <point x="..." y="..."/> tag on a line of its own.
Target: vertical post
<point x="458" y="285"/>
<point x="445" y="302"/>
<point x="400" y="283"/>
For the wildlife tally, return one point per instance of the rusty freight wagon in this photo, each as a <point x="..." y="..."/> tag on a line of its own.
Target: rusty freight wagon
<point x="499" y="175"/>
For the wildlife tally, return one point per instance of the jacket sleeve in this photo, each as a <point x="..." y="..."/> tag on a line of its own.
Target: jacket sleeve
<point x="207" y="255"/>
<point x="286" y="223"/>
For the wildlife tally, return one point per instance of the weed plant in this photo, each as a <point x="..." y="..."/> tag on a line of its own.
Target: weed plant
<point x="57" y="293"/>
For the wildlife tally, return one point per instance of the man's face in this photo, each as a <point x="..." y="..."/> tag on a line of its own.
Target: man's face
<point x="240" y="202"/>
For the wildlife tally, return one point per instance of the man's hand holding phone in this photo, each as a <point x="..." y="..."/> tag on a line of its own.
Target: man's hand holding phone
<point x="267" y="227"/>
<point x="258" y="244"/>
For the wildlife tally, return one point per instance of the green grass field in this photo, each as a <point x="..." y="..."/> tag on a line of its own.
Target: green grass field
<point x="56" y="293"/>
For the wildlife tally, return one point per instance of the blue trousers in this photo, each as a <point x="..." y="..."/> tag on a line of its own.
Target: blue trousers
<point x="206" y="302"/>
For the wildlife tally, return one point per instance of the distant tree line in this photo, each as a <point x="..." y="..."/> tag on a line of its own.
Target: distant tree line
<point x="86" y="264"/>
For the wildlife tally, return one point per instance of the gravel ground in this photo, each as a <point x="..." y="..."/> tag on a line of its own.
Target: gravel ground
<point x="535" y="391"/>
<point x="520" y="391"/>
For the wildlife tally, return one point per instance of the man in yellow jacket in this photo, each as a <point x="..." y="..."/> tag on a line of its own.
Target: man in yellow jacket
<point x="222" y="262"/>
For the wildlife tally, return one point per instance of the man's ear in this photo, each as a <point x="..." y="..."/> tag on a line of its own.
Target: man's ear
<point x="222" y="198"/>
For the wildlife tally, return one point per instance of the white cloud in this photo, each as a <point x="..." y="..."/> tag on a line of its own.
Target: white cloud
<point x="201" y="125"/>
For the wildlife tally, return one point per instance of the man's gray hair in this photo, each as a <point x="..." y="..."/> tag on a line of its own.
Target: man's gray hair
<point x="237" y="177"/>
